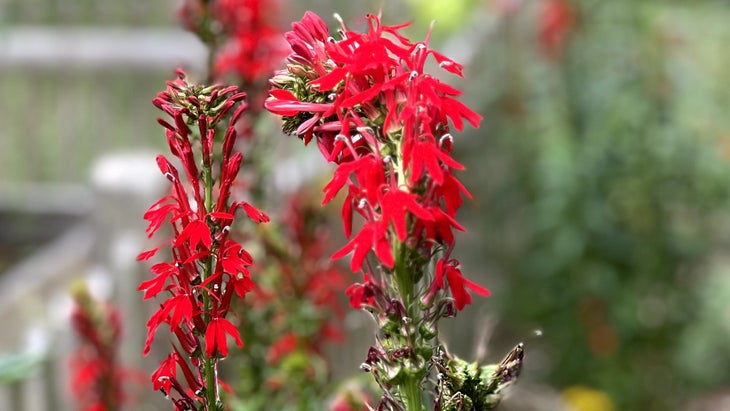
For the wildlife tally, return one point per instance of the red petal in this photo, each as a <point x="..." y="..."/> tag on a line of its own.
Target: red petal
<point x="255" y="214"/>
<point x="146" y="255"/>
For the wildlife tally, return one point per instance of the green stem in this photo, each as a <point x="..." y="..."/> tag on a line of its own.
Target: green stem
<point x="410" y="388"/>
<point x="210" y="364"/>
<point x="403" y="278"/>
<point x="411" y="391"/>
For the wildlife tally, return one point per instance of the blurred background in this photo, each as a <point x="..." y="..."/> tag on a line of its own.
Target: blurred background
<point x="600" y="175"/>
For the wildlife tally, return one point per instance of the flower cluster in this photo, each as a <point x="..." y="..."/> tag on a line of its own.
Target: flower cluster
<point x="309" y="279"/>
<point x="242" y="38"/>
<point x="96" y="375"/>
<point x="297" y="297"/>
<point x="254" y="46"/>
<point x="375" y="112"/>
<point x="208" y="267"/>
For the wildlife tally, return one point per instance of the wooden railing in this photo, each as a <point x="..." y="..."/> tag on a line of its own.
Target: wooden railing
<point x="100" y="248"/>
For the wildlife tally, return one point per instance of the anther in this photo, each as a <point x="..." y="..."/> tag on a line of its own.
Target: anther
<point x="413" y="75"/>
<point x="362" y="203"/>
<point x="446" y="137"/>
<point x="170" y="177"/>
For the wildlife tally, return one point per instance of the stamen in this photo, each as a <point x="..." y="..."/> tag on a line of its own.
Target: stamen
<point x="365" y="129"/>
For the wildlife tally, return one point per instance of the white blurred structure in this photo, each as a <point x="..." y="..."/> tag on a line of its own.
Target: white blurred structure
<point x="75" y="47"/>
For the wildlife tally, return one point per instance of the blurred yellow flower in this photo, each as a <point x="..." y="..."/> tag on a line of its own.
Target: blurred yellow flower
<point x="580" y="398"/>
<point x="450" y="14"/>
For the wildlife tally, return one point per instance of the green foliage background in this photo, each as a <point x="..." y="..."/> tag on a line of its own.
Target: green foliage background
<point x="602" y="183"/>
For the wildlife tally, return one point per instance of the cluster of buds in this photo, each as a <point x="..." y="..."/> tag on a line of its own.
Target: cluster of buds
<point x="373" y="110"/>
<point x="467" y="386"/>
<point x="208" y="267"/>
<point x="96" y="375"/>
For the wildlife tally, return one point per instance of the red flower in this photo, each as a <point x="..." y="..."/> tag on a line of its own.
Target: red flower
<point x="361" y="294"/>
<point x="371" y="237"/>
<point x="554" y="24"/>
<point x="457" y="283"/>
<point x="215" y="336"/>
<point x="254" y="46"/>
<point x="96" y="377"/>
<point x="281" y="347"/>
<point x="395" y="205"/>
<point x="165" y="374"/>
